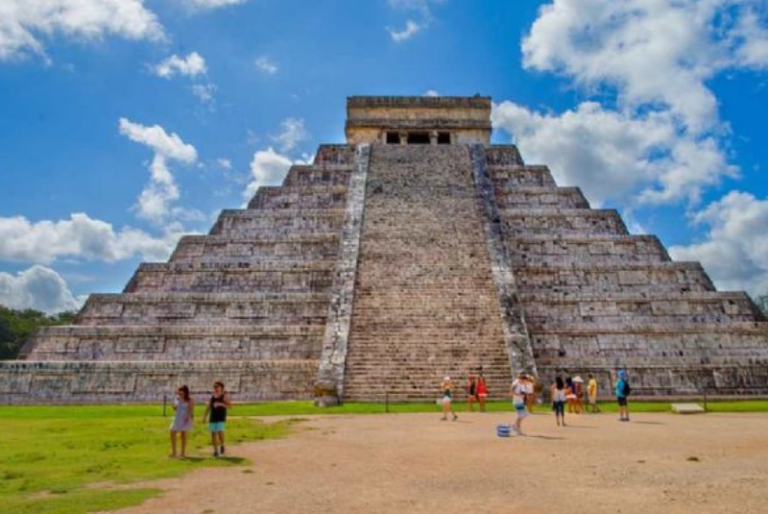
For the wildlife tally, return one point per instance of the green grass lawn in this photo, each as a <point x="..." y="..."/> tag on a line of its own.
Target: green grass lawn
<point x="73" y="459"/>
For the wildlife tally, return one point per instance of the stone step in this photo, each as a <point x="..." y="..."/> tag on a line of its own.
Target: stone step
<point x="313" y="197"/>
<point x="527" y="197"/>
<point x="274" y="247"/>
<point x="507" y="178"/>
<point x="203" y="309"/>
<point x="153" y="381"/>
<point x="660" y="276"/>
<point x="305" y="175"/>
<point x="424" y="285"/>
<point x="175" y="342"/>
<point x="553" y="221"/>
<point x="232" y="277"/>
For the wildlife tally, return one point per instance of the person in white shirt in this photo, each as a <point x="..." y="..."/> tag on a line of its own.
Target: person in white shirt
<point x="519" y="390"/>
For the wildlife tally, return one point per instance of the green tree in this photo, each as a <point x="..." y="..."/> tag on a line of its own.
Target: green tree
<point x="16" y="327"/>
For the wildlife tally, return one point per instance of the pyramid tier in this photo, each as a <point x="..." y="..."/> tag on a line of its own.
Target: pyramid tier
<point x="593" y="279"/>
<point x="570" y="250"/>
<point x="233" y="277"/>
<point x="299" y="197"/>
<point x="207" y="309"/>
<point x="523" y="221"/>
<point x="303" y="175"/>
<point x="526" y="197"/>
<point x="611" y="310"/>
<point x="274" y="248"/>
<point x="175" y="343"/>
<point x="506" y="179"/>
<point x="153" y="381"/>
<point x="264" y="222"/>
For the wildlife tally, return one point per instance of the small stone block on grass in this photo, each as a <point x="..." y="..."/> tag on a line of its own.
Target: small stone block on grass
<point x="687" y="408"/>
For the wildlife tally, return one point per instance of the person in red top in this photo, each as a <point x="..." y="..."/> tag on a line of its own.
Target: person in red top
<point x="482" y="391"/>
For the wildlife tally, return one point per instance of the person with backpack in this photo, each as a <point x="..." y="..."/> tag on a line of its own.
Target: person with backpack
<point x="623" y="390"/>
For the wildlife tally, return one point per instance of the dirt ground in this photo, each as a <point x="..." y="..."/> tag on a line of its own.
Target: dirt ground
<point x="415" y="463"/>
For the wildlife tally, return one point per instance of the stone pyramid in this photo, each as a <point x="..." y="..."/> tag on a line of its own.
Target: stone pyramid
<point x="416" y="250"/>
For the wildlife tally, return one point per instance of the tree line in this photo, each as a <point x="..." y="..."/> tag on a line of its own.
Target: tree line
<point x="17" y="325"/>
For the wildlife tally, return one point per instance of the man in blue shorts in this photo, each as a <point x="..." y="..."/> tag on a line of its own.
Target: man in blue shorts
<point x="217" y="408"/>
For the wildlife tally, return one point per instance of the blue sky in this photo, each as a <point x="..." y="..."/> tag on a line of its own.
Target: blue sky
<point x="125" y="124"/>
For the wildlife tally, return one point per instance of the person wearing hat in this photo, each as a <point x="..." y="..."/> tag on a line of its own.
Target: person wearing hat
<point x="622" y="391"/>
<point x="519" y="390"/>
<point x="447" y="399"/>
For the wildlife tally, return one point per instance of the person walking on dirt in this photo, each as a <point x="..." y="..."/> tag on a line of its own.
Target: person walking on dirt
<point x="447" y="398"/>
<point x="592" y="394"/>
<point x="557" y="392"/>
<point x="471" y="393"/>
<point x="519" y="388"/>
<point x="622" y="390"/>
<point x="217" y="408"/>
<point x="183" y="420"/>
<point x="482" y="392"/>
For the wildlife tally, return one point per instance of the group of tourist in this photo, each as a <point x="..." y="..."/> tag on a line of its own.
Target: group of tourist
<point x="563" y="392"/>
<point x="569" y="392"/>
<point x="184" y="419"/>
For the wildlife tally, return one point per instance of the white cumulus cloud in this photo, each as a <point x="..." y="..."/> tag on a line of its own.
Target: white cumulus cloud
<point x="37" y="287"/>
<point x="411" y="29"/>
<point x="190" y="66"/>
<point x="735" y="249"/>
<point x="268" y="168"/>
<point x="26" y="24"/>
<point x="654" y="52"/>
<point x="265" y="65"/>
<point x="79" y="237"/>
<point x="213" y="4"/>
<point x="154" y="203"/>
<point x="616" y="155"/>
<point x="292" y="132"/>
<point x="422" y="9"/>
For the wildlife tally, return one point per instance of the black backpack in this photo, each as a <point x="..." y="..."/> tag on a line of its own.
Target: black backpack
<point x="627" y="390"/>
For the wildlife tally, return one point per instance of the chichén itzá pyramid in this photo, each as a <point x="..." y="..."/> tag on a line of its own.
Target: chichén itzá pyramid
<point x="414" y="251"/>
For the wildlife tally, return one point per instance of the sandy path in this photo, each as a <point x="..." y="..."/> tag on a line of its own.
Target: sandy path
<point x="414" y="463"/>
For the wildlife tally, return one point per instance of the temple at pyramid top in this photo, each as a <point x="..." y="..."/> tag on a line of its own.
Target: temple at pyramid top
<point x="419" y="120"/>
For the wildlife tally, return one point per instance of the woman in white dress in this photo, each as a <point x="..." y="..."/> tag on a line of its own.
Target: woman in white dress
<point x="183" y="420"/>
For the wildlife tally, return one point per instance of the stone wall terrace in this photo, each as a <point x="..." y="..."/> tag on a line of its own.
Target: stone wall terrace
<point x="231" y="277"/>
<point x="149" y="342"/>
<point x="531" y="221"/>
<point x="303" y="175"/>
<point x="266" y="248"/>
<point x="312" y="197"/>
<point x="204" y="309"/>
<point x="528" y="197"/>
<point x="507" y="178"/>
<point x="558" y="250"/>
<point x="636" y="278"/>
<point x="295" y="222"/>
<point x="117" y="382"/>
